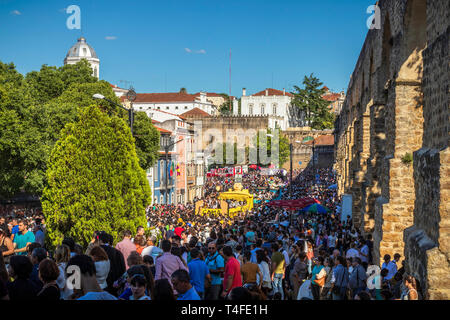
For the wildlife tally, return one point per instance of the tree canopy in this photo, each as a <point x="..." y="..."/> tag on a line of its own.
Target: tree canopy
<point x="34" y="109"/>
<point x="308" y="106"/>
<point x="94" y="179"/>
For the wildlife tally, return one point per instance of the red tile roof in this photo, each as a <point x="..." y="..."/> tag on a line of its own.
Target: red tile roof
<point x="331" y="97"/>
<point x="116" y="87"/>
<point x="163" y="130"/>
<point x="272" y="92"/>
<point x="323" y="140"/>
<point x="209" y="94"/>
<point x="165" y="97"/>
<point x="196" y="112"/>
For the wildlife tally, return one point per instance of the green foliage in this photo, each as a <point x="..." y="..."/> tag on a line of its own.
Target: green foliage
<point x="407" y="158"/>
<point x="224" y="108"/>
<point x="266" y="142"/>
<point x="94" y="180"/>
<point x="147" y="140"/>
<point x="34" y="109"/>
<point x="258" y="148"/>
<point x="310" y="102"/>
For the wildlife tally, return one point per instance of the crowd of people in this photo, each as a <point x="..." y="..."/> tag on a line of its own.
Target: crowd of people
<point x="268" y="253"/>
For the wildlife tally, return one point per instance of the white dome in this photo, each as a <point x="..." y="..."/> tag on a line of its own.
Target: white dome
<point x="81" y="50"/>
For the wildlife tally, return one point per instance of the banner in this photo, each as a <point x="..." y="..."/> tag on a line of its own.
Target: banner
<point x="207" y="211"/>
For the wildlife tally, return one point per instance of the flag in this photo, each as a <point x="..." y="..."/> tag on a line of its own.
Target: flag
<point x="171" y="169"/>
<point x="178" y="170"/>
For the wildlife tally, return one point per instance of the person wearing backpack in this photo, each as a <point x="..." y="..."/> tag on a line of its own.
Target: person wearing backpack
<point x="357" y="279"/>
<point x="339" y="280"/>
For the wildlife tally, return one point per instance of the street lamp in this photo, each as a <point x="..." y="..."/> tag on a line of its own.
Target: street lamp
<point x="131" y="96"/>
<point x="167" y="147"/>
<point x="307" y="139"/>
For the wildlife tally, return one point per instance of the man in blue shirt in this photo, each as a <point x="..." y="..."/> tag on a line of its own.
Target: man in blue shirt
<point x="15" y="228"/>
<point x="250" y="237"/>
<point x="23" y="238"/>
<point x="198" y="272"/>
<point x="258" y="246"/>
<point x="216" y="266"/>
<point x="181" y="283"/>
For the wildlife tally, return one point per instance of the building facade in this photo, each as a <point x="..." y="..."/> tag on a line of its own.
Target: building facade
<point x="392" y="137"/>
<point x="176" y="103"/>
<point x="270" y="102"/>
<point x="82" y="50"/>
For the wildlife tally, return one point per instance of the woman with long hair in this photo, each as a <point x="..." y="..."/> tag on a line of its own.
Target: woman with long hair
<point x="411" y="285"/>
<point x="6" y="246"/>
<point x="263" y="264"/>
<point x="163" y="291"/>
<point x="102" y="265"/>
<point x="62" y="257"/>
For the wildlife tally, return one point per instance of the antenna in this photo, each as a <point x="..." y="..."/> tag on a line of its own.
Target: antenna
<point x="126" y="83"/>
<point x="229" y="97"/>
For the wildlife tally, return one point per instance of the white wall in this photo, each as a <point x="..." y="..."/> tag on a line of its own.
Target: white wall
<point x="282" y="103"/>
<point x="174" y="107"/>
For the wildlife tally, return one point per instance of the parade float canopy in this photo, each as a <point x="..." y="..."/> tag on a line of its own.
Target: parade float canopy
<point x="236" y="195"/>
<point x="295" y="204"/>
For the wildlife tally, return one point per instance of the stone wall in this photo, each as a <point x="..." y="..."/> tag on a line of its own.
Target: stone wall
<point x="397" y="106"/>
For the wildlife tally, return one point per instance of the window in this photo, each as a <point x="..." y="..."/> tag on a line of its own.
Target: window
<point x="263" y="109"/>
<point x="84" y="52"/>
<point x="274" y="109"/>
<point x="162" y="166"/>
<point x="161" y="199"/>
<point x="185" y="108"/>
<point x="176" y="108"/>
<point x="250" y="109"/>
<point x="159" y="108"/>
<point x="167" y="108"/>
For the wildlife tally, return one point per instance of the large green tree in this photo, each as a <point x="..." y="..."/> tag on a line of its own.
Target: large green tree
<point x="94" y="178"/>
<point x="263" y="143"/>
<point x="309" y="106"/>
<point x="34" y="109"/>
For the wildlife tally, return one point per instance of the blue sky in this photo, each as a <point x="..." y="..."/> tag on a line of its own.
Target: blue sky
<point x="164" y="45"/>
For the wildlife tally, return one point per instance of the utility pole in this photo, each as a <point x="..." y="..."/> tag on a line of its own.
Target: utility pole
<point x="290" y="178"/>
<point x="229" y="97"/>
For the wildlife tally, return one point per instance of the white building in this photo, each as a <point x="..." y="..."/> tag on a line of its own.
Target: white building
<point x="81" y="50"/>
<point x="119" y="92"/>
<point x="173" y="102"/>
<point x="270" y="102"/>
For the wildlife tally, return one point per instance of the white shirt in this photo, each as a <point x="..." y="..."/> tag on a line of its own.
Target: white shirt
<point x="331" y="241"/>
<point x="352" y="253"/>
<point x="101" y="273"/>
<point x="365" y="250"/>
<point x="286" y="258"/>
<point x="264" y="268"/>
